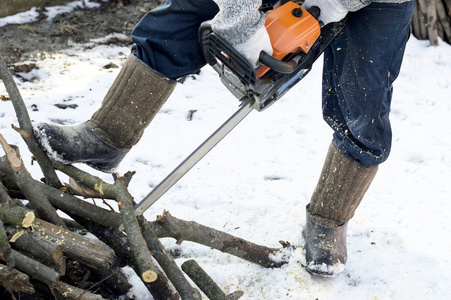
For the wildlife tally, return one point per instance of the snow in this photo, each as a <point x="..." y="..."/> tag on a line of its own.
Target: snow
<point x="51" y="12"/>
<point x="256" y="182"/>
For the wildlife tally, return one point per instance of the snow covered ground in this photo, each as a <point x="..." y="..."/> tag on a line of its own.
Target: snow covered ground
<point x="256" y="182"/>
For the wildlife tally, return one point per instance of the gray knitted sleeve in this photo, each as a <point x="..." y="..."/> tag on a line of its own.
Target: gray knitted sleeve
<point x="237" y="20"/>
<point x="354" y="5"/>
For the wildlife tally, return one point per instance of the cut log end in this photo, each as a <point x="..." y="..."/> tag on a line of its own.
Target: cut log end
<point x="149" y="276"/>
<point x="28" y="220"/>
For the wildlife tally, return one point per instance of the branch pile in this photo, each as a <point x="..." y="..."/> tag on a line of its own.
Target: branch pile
<point x="432" y="19"/>
<point x="47" y="256"/>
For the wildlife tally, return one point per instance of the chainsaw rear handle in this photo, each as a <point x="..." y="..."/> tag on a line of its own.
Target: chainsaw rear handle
<point x="284" y="67"/>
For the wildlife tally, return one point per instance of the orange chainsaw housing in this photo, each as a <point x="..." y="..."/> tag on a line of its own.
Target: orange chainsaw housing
<point x="290" y="31"/>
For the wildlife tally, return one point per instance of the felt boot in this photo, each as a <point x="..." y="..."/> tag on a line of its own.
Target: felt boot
<point x="340" y="189"/>
<point x="131" y="103"/>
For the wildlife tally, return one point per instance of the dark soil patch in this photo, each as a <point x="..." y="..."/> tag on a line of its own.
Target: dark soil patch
<point x="23" y="42"/>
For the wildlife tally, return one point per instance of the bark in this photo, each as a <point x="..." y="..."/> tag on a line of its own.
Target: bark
<point x="13" y="280"/>
<point x="4" y="196"/>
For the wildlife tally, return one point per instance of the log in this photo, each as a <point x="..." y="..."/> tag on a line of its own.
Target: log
<point x="73" y="293"/>
<point x="90" y="252"/>
<point x="34" y="245"/>
<point x="13" y="280"/>
<point x="432" y="22"/>
<point x="35" y="269"/>
<point x="444" y="20"/>
<point x="16" y="215"/>
<point x="205" y="282"/>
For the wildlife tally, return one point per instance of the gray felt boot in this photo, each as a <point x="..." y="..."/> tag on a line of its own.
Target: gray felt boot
<point x="131" y="103"/>
<point x="340" y="189"/>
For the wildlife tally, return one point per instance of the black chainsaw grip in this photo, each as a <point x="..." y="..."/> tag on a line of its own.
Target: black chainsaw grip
<point x="204" y="31"/>
<point x="284" y="67"/>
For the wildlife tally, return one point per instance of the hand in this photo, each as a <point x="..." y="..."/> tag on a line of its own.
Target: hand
<point x="251" y="48"/>
<point x="331" y="10"/>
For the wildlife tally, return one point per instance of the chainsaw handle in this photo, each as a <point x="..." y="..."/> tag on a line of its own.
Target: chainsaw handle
<point x="284" y="67"/>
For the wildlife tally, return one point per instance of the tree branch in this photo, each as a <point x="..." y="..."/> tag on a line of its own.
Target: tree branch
<point x="26" y="129"/>
<point x="27" y="185"/>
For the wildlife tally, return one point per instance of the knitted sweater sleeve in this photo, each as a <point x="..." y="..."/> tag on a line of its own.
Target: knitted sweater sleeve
<point x="238" y="20"/>
<point x="354" y="5"/>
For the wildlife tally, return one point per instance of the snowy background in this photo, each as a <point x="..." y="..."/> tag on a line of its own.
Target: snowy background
<point x="256" y="182"/>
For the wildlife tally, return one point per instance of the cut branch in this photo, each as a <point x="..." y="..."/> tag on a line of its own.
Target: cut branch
<point x="157" y="283"/>
<point x="27" y="185"/>
<point x="205" y="282"/>
<point x="171" y="269"/>
<point x="16" y="215"/>
<point x="169" y="226"/>
<point x="92" y="253"/>
<point x="35" y="269"/>
<point x="34" y="245"/>
<point x="26" y="127"/>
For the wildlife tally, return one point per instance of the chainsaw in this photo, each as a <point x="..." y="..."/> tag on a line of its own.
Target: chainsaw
<point x="298" y="41"/>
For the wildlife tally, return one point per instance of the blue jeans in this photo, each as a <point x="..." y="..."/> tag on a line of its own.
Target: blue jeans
<point x="359" y="69"/>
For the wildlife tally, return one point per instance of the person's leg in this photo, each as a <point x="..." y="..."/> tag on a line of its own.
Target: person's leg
<point x="359" y="69"/>
<point x="167" y="48"/>
<point x="167" y="40"/>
